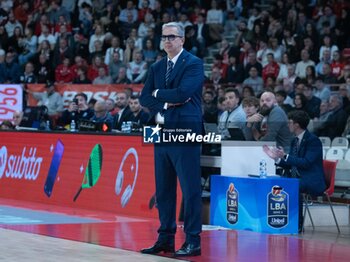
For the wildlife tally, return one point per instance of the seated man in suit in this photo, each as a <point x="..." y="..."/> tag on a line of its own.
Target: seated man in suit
<point x="124" y="113"/>
<point x="304" y="160"/>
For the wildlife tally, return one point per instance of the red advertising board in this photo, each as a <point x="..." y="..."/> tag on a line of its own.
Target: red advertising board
<point x="68" y="91"/>
<point x="10" y="101"/>
<point x="117" y="172"/>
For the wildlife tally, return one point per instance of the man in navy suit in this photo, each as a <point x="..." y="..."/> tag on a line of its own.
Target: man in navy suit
<point x="304" y="160"/>
<point x="172" y="93"/>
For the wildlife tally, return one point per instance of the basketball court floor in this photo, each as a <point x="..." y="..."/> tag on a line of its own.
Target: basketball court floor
<point x="38" y="232"/>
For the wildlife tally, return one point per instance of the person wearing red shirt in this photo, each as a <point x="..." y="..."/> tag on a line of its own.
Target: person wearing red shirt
<point x="271" y="69"/>
<point x="336" y="64"/>
<point x="63" y="72"/>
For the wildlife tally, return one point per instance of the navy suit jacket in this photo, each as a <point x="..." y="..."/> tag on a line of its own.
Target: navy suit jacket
<point x="185" y="82"/>
<point x="309" y="162"/>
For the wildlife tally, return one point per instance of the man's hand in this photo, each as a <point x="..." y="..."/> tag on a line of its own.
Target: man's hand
<point x="274" y="152"/>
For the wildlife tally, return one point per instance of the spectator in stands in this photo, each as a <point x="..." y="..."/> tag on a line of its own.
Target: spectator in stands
<point x="235" y="71"/>
<point x="145" y="25"/>
<point x="124" y="113"/>
<point x="115" y="48"/>
<point x="9" y="70"/>
<point x="327" y="16"/>
<point x="153" y="37"/>
<point x="47" y="36"/>
<point x="283" y="72"/>
<point x="327" y="45"/>
<point x="300" y="69"/>
<point x="191" y="44"/>
<point x="51" y="99"/>
<point x="234" y="116"/>
<point x="247" y="91"/>
<point x="29" y="46"/>
<point x="101" y="115"/>
<point x="215" y="21"/>
<point x="97" y="62"/>
<point x="122" y="78"/>
<point x="215" y="79"/>
<point x="3" y="38"/>
<point x="103" y="78"/>
<point x="327" y="76"/>
<point x="28" y="76"/>
<point x="43" y="70"/>
<point x="322" y="91"/>
<point x="110" y="103"/>
<point x="276" y="49"/>
<point x="63" y="73"/>
<point x="299" y="101"/>
<point x="312" y="106"/>
<point x="57" y="10"/>
<point x="62" y="21"/>
<point x="98" y="47"/>
<point x="126" y="27"/>
<point x="218" y="62"/>
<point x="144" y="9"/>
<point x="138" y="115"/>
<point x="17" y="118"/>
<point x="345" y="74"/>
<point x="64" y="34"/>
<point x="252" y="61"/>
<point x="335" y="123"/>
<point x="129" y="50"/>
<point x="114" y="66"/>
<point x="149" y="53"/>
<point x="130" y="9"/>
<point x="85" y="18"/>
<point x="325" y="59"/>
<point x="79" y="61"/>
<point x="318" y="122"/>
<point x="137" y="69"/>
<point x="98" y="35"/>
<point x="250" y="107"/>
<point x="41" y="19"/>
<point x="14" y="42"/>
<point x="284" y="101"/>
<point x="254" y="80"/>
<point x="271" y="123"/>
<point x="201" y="33"/>
<point x="310" y="75"/>
<point x="77" y="110"/>
<point x="62" y="52"/>
<point x="11" y="24"/>
<point x="81" y="76"/>
<point x="271" y="68"/>
<point x="337" y="65"/>
<point x="21" y="12"/>
<point x="210" y="111"/>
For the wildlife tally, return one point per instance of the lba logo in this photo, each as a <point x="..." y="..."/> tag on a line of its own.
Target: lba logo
<point x="151" y="134"/>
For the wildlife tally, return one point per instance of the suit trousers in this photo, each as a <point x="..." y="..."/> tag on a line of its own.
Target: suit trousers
<point x="180" y="161"/>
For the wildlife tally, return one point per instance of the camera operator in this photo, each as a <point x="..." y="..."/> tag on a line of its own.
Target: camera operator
<point x="270" y="123"/>
<point x="77" y="109"/>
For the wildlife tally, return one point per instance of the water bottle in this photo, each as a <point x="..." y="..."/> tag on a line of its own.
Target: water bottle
<point x="124" y="127"/>
<point x="262" y="168"/>
<point x="47" y="127"/>
<point x="72" y="126"/>
<point x="128" y="126"/>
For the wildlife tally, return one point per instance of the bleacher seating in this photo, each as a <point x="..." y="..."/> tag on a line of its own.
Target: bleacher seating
<point x="340" y="142"/>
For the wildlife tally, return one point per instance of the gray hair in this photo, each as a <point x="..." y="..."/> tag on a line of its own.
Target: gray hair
<point x="179" y="27"/>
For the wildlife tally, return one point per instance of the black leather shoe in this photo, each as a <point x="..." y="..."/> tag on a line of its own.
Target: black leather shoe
<point x="159" y="247"/>
<point x="188" y="250"/>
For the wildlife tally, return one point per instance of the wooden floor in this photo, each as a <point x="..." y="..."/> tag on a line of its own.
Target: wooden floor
<point x="34" y="232"/>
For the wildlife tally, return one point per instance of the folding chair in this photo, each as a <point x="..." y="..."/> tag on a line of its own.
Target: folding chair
<point x="329" y="174"/>
<point x="340" y="142"/>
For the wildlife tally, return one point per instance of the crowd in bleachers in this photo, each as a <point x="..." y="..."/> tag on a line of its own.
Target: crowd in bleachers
<point x="298" y="49"/>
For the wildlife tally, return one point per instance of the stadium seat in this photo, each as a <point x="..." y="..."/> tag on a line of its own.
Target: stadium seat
<point x="326" y="141"/>
<point x="340" y="142"/>
<point x="335" y="153"/>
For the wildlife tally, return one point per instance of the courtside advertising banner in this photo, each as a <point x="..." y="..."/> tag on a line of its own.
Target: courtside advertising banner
<point x="11" y="99"/>
<point x="97" y="172"/>
<point x="98" y="92"/>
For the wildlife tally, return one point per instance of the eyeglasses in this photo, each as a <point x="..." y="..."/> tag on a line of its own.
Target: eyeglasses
<point x="169" y="37"/>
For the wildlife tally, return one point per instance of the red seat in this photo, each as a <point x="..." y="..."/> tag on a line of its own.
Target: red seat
<point x="329" y="174"/>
